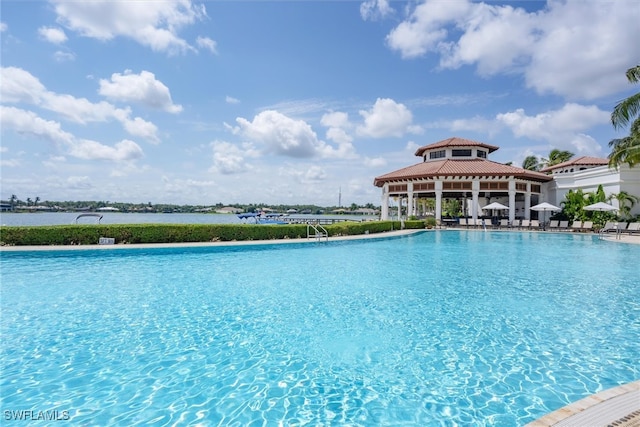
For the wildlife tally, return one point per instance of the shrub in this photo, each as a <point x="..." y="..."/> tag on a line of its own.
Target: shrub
<point x="181" y="233"/>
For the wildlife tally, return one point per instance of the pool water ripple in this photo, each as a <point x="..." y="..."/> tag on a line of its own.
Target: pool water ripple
<point x="435" y="329"/>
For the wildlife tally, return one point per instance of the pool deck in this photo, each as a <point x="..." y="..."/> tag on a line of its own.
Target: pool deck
<point x="383" y="235"/>
<point x="617" y="407"/>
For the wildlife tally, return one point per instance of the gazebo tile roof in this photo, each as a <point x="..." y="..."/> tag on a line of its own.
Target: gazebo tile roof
<point x="448" y="167"/>
<point x="455" y="142"/>
<point x="580" y="161"/>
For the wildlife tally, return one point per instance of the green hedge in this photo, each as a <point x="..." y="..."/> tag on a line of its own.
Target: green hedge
<point x="182" y="233"/>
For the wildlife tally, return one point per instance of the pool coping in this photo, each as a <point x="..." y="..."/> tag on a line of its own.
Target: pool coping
<point x="382" y="235"/>
<point x="618" y="406"/>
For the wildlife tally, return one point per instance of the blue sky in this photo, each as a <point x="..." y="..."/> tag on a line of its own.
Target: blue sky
<point x="292" y="102"/>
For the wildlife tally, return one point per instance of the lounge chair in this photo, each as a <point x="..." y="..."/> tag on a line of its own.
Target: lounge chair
<point x="515" y="223"/>
<point x="535" y="224"/>
<point x="504" y="223"/>
<point x="563" y="225"/>
<point x="554" y="224"/>
<point x="633" y="228"/>
<point x="576" y="226"/>
<point x="608" y="227"/>
<point x="463" y="222"/>
<point x="525" y="223"/>
<point x="587" y="226"/>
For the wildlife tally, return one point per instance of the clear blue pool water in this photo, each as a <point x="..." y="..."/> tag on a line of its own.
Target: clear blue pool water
<point x="440" y="328"/>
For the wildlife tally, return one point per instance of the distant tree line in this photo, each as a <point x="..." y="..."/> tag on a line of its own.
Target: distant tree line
<point x="34" y="204"/>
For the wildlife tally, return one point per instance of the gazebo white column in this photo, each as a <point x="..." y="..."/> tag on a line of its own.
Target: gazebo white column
<point x="512" y="200"/>
<point x="438" y="188"/>
<point x="410" y="199"/>
<point x="527" y="202"/>
<point x="475" y="191"/>
<point x="384" y="214"/>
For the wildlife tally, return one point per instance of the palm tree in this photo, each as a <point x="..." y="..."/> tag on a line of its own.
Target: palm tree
<point x="557" y="156"/>
<point x="13" y="201"/>
<point x="28" y="201"/>
<point x="626" y="201"/>
<point x="531" y="163"/>
<point x="36" y="201"/>
<point x="627" y="149"/>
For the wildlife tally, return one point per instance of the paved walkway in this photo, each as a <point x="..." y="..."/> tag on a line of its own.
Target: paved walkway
<point x="619" y="407"/>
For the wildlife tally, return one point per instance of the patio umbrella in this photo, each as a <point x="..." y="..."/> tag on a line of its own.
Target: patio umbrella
<point x="544" y="206"/>
<point x="600" y="206"/>
<point x="495" y="205"/>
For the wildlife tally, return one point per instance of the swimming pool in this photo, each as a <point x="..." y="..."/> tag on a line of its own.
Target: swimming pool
<point x="439" y="328"/>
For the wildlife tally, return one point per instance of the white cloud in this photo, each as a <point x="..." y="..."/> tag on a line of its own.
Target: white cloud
<point x="231" y="100"/>
<point x="3" y="27"/>
<point x="375" y="9"/>
<point x="19" y="86"/>
<point x="281" y="134"/>
<point x="141" y="88"/>
<point x="124" y="150"/>
<point x="52" y="35"/>
<point x="563" y="128"/>
<point x="27" y="122"/>
<point x="571" y="48"/>
<point x="230" y="159"/>
<point x="153" y="24"/>
<point x="338" y="124"/>
<point x="208" y="44"/>
<point x="424" y="30"/>
<point x="386" y="118"/>
<point x="142" y="128"/>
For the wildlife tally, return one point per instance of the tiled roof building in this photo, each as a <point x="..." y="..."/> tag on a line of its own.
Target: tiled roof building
<point x="459" y="168"/>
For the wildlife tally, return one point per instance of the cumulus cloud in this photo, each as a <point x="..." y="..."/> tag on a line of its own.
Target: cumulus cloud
<point x="19" y="86"/>
<point x="563" y="128"/>
<point x="29" y="123"/>
<point x="52" y="35"/>
<point x="152" y="24"/>
<point x="386" y="118"/>
<point x="281" y="134"/>
<point x="141" y="88"/>
<point x="3" y="27"/>
<point x="231" y="100"/>
<point x="124" y="150"/>
<point x="230" y="159"/>
<point x="570" y="48"/>
<point x="338" y="124"/>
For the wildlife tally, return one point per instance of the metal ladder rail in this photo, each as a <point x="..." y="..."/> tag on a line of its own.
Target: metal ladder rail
<point x="319" y="232"/>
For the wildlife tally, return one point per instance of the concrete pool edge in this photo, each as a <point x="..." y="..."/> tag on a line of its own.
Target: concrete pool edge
<point x="617" y="406"/>
<point x="386" y="234"/>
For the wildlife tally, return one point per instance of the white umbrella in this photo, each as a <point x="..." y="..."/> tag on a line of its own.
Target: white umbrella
<point x="600" y="206"/>
<point x="495" y="205"/>
<point x="544" y="206"/>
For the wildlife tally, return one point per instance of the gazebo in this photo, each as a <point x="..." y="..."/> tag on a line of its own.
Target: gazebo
<point x="459" y="168"/>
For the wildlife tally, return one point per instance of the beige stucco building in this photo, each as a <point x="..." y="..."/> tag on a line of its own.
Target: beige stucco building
<point x="458" y="168"/>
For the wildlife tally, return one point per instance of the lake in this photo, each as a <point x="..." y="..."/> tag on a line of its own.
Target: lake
<point x="64" y="218"/>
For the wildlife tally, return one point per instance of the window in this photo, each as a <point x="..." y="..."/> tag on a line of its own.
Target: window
<point x="437" y="154"/>
<point x="482" y="154"/>
<point x="461" y="153"/>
